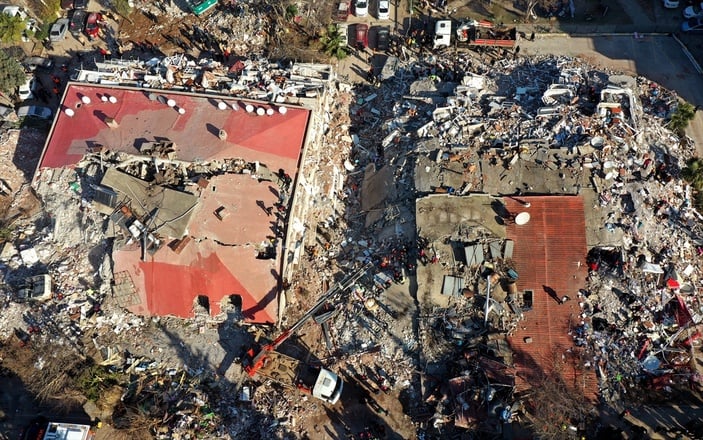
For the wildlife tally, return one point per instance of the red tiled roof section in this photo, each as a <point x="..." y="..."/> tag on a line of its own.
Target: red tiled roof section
<point x="274" y="140"/>
<point x="549" y="256"/>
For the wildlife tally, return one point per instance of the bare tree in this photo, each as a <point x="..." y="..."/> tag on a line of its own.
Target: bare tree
<point x="530" y="5"/>
<point x="552" y="404"/>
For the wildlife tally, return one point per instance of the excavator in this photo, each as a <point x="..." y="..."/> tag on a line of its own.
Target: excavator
<point x="265" y="361"/>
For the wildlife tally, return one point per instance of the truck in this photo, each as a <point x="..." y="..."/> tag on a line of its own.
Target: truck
<point x="474" y="33"/>
<point x="267" y="362"/>
<point x="342" y="12"/>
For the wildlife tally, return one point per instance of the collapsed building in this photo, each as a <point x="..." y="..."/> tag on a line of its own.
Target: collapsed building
<point x="197" y="191"/>
<point x="527" y="200"/>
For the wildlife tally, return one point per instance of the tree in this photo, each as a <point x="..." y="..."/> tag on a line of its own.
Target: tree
<point x="11" y="73"/>
<point x="530" y="5"/>
<point x="693" y="174"/>
<point x="291" y="11"/>
<point x="680" y="119"/>
<point x="11" y="28"/>
<point x="122" y="7"/>
<point x="332" y="43"/>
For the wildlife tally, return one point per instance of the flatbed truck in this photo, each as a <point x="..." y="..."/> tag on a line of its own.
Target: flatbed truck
<point x="474" y="34"/>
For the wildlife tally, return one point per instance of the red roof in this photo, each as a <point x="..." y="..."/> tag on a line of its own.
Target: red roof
<point x="273" y="140"/>
<point x="549" y="256"/>
<point x="221" y="259"/>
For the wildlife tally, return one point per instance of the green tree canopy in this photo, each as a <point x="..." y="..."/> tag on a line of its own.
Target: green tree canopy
<point x="693" y="174"/>
<point x="332" y="43"/>
<point x="11" y="73"/>
<point x="11" y="28"/>
<point x="684" y="113"/>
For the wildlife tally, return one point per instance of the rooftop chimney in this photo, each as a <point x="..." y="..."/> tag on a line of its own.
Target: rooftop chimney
<point x="222" y="135"/>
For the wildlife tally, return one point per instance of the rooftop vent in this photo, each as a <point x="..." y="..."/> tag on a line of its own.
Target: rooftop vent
<point x="113" y="100"/>
<point x="270" y="111"/>
<point x="282" y="110"/>
<point x="171" y="103"/>
<point x="260" y="111"/>
<point x="85" y="100"/>
<point x="222" y="105"/>
<point x="69" y="112"/>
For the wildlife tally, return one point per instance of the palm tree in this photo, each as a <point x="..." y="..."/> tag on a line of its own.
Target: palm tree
<point x="693" y="173"/>
<point x="684" y="113"/>
<point x="332" y="43"/>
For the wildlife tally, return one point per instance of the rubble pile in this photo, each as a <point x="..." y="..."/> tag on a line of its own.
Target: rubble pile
<point x="475" y="123"/>
<point x="213" y="34"/>
<point x="254" y="79"/>
<point x="588" y="129"/>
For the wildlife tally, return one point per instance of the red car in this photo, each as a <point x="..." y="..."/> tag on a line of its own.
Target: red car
<point x="362" y="36"/>
<point x="93" y="23"/>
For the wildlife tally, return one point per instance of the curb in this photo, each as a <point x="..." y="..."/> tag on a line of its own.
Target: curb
<point x="611" y="34"/>
<point x="685" y="50"/>
<point x="689" y="55"/>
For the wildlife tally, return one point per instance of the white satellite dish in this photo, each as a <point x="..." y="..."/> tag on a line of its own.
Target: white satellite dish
<point x="522" y="219"/>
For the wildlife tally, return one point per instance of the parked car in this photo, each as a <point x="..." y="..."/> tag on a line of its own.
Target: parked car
<point x="13" y="11"/>
<point x="26" y="90"/>
<point x="78" y="17"/>
<point x="382" y="38"/>
<point x="33" y="63"/>
<point x="93" y="23"/>
<point x="343" y="30"/>
<point x="671" y="4"/>
<point x="74" y="4"/>
<point x="362" y="36"/>
<point x="199" y="7"/>
<point x="693" y="11"/>
<point x="361" y="8"/>
<point x="5" y="112"/>
<point x="35" y="111"/>
<point x="58" y="30"/>
<point x="384" y="9"/>
<point x="693" y="25"/>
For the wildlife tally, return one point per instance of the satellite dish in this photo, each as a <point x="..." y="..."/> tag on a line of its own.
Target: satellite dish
<point x="522" y="219"/>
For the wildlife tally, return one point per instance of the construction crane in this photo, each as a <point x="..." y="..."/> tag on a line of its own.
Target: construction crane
<point x="319" y="382"/>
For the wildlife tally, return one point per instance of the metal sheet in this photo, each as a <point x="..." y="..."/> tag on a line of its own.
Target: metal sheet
<point x="474" y="254"/>
<point x="452" y="285"/>
<point x="508" y="252"/>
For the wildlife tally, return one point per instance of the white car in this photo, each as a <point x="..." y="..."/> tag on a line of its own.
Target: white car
<point x="361" y="8"/>
<point x="384" y="9"/>
<point x="343" y="29"/>
<point x="34" y="111"/>
<point x="693" y="11"/>
<point x="26" y="90"/>
<point x="58" y="30"/>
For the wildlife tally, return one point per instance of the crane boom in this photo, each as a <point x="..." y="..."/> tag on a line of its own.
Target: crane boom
<point x="257" y="359"/>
